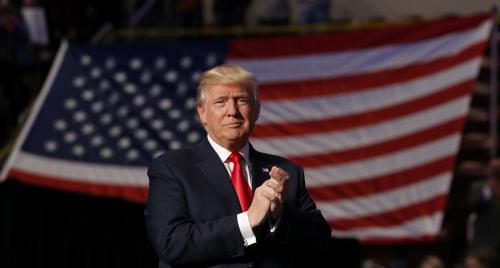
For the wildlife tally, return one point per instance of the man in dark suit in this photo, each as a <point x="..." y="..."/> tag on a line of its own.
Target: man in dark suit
<point x="221" y="203"/>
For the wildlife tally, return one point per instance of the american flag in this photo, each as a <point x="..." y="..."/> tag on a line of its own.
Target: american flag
<point x="373" y="115"/>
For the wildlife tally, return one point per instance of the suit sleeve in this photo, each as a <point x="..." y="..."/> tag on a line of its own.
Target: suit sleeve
<point x="175" y="236"/>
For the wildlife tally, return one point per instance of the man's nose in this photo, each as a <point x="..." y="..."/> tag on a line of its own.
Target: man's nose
<point x="232" y="107"/>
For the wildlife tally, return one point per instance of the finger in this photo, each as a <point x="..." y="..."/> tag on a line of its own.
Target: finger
<point x="279" y="174"/>
<point x="275" y="184"/>
<point x="269" y="193"/>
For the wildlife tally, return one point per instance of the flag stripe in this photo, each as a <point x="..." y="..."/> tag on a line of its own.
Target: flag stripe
<point x="393" y="218"/>
<point x="130" y="193"/>
<point x="365" y="118"/>
<point x="269" y="47"/>
<point x="81" y="171"/>
<point x="328" y="65"/>
<point x="382" y="165"/>
<point x="375" y="98"/>
<point x="397" y="179"/>
<point x="303" y="145"/>
<point x="367" y="81"/>
<point x="379" y="149"/>
<point x="421" y="228"/>
<point x="388" y="200"/>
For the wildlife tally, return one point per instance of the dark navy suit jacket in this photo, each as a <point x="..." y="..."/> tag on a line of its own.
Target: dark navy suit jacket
<point x="191" y="213"/>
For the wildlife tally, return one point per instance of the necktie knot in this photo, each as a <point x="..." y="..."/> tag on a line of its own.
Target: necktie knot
<point x="235" y="157"/>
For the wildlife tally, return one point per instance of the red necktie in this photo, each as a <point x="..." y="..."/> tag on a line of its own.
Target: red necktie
<point x="240" y="184"/>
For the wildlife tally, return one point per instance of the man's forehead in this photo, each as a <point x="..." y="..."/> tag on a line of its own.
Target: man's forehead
<point x="226" y="90"/>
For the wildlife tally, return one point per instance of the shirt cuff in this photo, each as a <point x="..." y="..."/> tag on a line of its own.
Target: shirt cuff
<point x="246" y="229"/>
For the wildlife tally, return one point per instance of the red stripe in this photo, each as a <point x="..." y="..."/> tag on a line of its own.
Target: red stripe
<point x="361" y="82"/>
<point x="397" y="179"/>
<point x="400" y="240"/>
<point x="279" y="46"/>
<point x="395" y="217"/>
<point x="382" y="148"/>
<point x="363" y="119"/>
<point x="130" y="193"/>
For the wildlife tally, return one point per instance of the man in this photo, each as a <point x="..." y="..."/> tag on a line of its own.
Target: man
<point x="221" y="203"/>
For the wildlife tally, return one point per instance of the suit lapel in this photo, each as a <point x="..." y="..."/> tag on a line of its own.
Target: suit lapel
<point x="216" y="173"/>
<point x="260" y="169"/>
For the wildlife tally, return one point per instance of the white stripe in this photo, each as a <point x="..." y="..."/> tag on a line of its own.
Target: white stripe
<point x="423" y="226"/>
<point x="81" y="172"/>
<point x="35" y="110"/>
<point x="337" y="141"/>
<point x="322" y="107"/>
<point x="327" y="65"/>
<point x="387" y="200"/>
<point x="382" y="165"/>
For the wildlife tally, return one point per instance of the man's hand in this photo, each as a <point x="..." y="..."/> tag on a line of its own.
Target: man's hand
<point x="279" y="179"/>
<point x="267" y="199"/>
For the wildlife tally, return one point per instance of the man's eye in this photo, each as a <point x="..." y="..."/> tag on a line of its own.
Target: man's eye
<point x="243" y="101"/>
<point x="219" y="103"/>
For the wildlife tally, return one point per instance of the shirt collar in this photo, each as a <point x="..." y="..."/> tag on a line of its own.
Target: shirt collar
<point x="224" y="153"/>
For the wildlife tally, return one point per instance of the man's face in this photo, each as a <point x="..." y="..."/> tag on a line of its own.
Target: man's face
<point x="229" y="113"/>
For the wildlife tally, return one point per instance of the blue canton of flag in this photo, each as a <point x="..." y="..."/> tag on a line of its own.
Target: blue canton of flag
<point x="124" y="104"/>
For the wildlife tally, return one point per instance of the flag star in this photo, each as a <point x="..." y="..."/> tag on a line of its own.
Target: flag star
<point x="106" y="153"/>
<point x="174" y="145"/>
<point x="183" y="125"/>
<point x="130" y="88"/>
<point x="110" y="63"/>
<point x="171" y="76"/>
<point x="139" y="100"/>
<point x="151" y="145"/>
<point x="211" y="60"/>
<point x="165" y="104"/>
<point x="69" y="137"/>
<point x="157" y="124"/>
<point x="51" y="146"/>
<point x="186" y="62"/>
<point x="155" y="90"/>
<point x="104" y="84"/>
<point x="79" y="116"/>
<point x="120" y="77"/>
<point x="115" y="131"/>
<point x="166" y="135"/>
<point x="60" y="125"/>
<point x="85" y="60"/>
<point x="78" y="150"/>
<point x="182" y="88"/>
<point x="88" y="129"/>
<point x="141" y="134"/>
<point x="70" y="104"/>
<point x="147" y="113"/>
<point x="160" y="63"/>
<point x="123" y="111"/>
<point x="132" y="123"/>
<point x="95" y="72"/>
<point x="106" y="118"/>
<point x="88" y="95"/>
<point x="132" y="154"/>
<point x="124" y="143"/>
<point x="193" y="137"/>
<point x="114" y="98"/>
<point x="97" y="107"/>
<point x="97" y="141"/>
<point x="190" y="103"/>
<point x="79" y="82"/>
<point x="135" y="64"/>
<point x="195" y="76"/>
<point x="146" y="77"/>
<point x="174" y="114"/>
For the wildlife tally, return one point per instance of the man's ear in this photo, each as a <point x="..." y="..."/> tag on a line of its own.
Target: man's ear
<point x="200" y="108"/>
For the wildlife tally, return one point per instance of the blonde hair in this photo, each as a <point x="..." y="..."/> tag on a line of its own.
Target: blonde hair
<point x="226" y="75"/>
